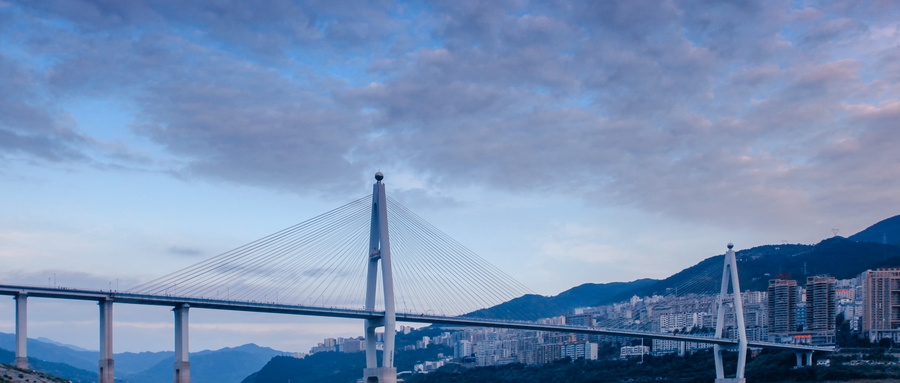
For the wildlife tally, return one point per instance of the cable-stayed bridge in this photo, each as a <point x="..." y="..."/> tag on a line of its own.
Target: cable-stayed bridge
<point x="347" y="264"/>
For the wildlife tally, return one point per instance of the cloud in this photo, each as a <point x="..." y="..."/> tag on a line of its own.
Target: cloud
<point x="267" y="32"/>
<point x="835" y="31"/>
<point x="858" y="159"/>
<point x="29" y="124"/>
<point x="700" y="109"/>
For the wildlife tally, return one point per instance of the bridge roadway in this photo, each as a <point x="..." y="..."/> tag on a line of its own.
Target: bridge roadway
<point x="276" y="308"/>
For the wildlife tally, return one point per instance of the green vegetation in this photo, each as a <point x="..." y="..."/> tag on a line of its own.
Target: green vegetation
<point x="779" y="367"/>
<point x="767" y="367"/>
<point x="8" y="373"/>
<point x="888" y="229"/>
<point x="670" y="368"/>
<point x="53" y="369"/>
<point x="319" y="367"/>
<point x="336" y="367"/>
<point x="839" y="257"/>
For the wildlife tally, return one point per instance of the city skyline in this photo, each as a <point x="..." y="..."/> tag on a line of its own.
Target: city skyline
<point x="565" y="144"/>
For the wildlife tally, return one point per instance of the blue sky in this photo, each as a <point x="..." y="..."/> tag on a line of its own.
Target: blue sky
<point x="566" y="142"/>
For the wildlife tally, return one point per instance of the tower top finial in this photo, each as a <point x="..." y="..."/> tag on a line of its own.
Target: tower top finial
<point x="730" y="245"/>
<point x="379" y="176"/>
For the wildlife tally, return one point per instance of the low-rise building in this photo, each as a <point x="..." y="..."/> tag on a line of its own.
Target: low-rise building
<point x="630" y="351"/>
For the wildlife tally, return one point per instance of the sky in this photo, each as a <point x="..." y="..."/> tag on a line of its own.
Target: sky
<point x="565" y="142"/>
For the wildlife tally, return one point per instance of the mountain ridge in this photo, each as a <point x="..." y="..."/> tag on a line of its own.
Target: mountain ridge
<point x="885" y="231"/>
<point x="229" y="364"/>
<point x="757" y="265"/>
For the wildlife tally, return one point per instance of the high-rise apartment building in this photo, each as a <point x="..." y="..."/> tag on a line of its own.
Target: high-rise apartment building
<point x="580" y="350"/>
<point x="782" y="294"/>
<point x="463" y="348"/>
<point x="881" y="315"/>
<point x="820" y="308"/>
<point x="548" y="352"/>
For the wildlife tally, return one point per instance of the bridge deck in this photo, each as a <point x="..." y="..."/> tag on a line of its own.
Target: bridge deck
<point x="276" y="308"/>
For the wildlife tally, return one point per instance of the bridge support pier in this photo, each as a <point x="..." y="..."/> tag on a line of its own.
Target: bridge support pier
<point x="21" y="331"/>
<point x="380" y="375"/>
<point x="720" y="371"/>
<point x="182" y="365"/>
<point x="106" y="373"/>
<point x="808" y="357"/>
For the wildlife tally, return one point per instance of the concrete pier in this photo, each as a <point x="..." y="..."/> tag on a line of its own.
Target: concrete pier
<point x="106" y="373"/>
<point x="22" y="331"/>
<point x="182" y="365"/>
<point x="804" y="355"/>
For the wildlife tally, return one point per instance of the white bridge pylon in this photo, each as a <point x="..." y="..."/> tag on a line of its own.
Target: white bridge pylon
<point x="729" y="272"/>
<point x="380" y="250"/>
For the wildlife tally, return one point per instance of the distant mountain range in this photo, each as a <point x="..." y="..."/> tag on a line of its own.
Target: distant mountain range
<point x="80" y="366"/>
<point x="839" y="257"/>
<point x="227" y="365"/>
